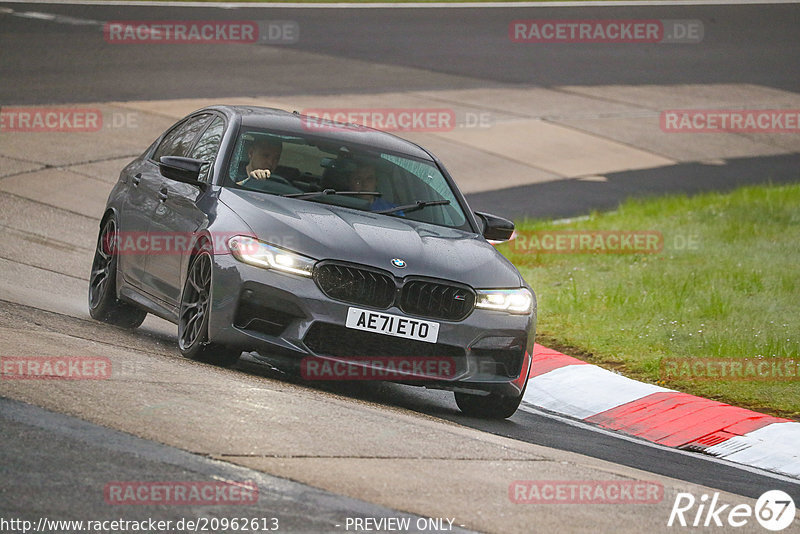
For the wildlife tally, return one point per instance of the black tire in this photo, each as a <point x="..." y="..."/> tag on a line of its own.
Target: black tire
<point x="103" y="302"/>
<point x="492" y="406"/>
<point x="194" y="313"/>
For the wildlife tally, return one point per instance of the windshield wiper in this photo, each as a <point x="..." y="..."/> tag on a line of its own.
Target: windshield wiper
<point x="418" y="205"/>
<point x="313" y="194"/>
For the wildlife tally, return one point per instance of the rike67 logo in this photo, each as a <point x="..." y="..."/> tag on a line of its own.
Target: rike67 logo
<point x="774" y="510"/>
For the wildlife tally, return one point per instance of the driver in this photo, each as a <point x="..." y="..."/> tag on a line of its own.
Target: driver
<point x="263" y="157"/>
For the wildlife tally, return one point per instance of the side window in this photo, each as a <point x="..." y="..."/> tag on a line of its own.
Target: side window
<point x="207" y="147"/>
<point x="180" y="139"/>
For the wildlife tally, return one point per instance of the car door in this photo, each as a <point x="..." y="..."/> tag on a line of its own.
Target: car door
<point x="143" y="182"/>
<point x="177" y="142"/>
<point x="184" y="209"/>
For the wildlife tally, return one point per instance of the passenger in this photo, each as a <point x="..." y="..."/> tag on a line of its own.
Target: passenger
<point x="365" y="178"/>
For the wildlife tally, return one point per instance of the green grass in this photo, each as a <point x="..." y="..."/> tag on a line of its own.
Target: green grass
<point x="734" y="294"/>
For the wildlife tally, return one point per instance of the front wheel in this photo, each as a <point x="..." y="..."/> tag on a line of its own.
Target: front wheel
<point x="492" y="406"/>
<point x="194" y="315"/>
<point x="103" y="303"/>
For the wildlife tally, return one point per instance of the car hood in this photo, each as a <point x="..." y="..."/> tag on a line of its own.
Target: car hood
<point x="322" y="231"/>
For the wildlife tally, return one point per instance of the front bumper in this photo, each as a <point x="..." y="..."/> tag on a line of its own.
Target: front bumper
<point x="273" y="312"/>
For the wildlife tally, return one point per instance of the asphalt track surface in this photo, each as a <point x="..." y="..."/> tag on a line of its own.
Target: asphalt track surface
<point x="569" y="198"/>
<point x="72" y="458"/>
<point x="66" y="60"/>
<point x="52" y="62"/>
<point x="45" y="62"/>
<point x="526" y="425"/>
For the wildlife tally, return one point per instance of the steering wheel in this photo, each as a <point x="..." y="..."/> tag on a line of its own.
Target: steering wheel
<point x="280" y="179"/>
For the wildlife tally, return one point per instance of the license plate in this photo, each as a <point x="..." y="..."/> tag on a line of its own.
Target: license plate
<point x="392" y="325"/>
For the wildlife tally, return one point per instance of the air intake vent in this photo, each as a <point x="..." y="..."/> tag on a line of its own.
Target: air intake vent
<point x="437" y="300"/>
<point x="354" y="284"/>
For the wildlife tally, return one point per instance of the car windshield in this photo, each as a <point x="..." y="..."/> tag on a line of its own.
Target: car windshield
<point x="357" y="177"/>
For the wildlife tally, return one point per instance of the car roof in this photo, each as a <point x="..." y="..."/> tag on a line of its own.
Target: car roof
<point x="302" y="125"/>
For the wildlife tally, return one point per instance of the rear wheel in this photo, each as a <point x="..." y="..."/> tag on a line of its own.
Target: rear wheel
<point x="492" y="406"/>
<point x="103" y="302"/>
<point x="194" y="315"/>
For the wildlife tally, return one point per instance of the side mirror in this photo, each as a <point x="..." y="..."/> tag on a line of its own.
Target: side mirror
<point x="185" y="170"/>
<point x="495" y="228"/>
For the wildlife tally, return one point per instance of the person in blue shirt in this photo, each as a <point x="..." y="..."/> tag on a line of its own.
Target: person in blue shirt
<point x="365" y="178"/>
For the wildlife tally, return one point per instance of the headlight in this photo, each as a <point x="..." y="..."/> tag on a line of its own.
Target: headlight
<point x="508" y="300"/>
<point x="255" y="252"/>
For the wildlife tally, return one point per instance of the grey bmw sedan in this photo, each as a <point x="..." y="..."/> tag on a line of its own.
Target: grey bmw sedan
<point x="345" y="249"/>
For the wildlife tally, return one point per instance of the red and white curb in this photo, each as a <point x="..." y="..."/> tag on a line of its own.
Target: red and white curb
<point x="565" y="385"/>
